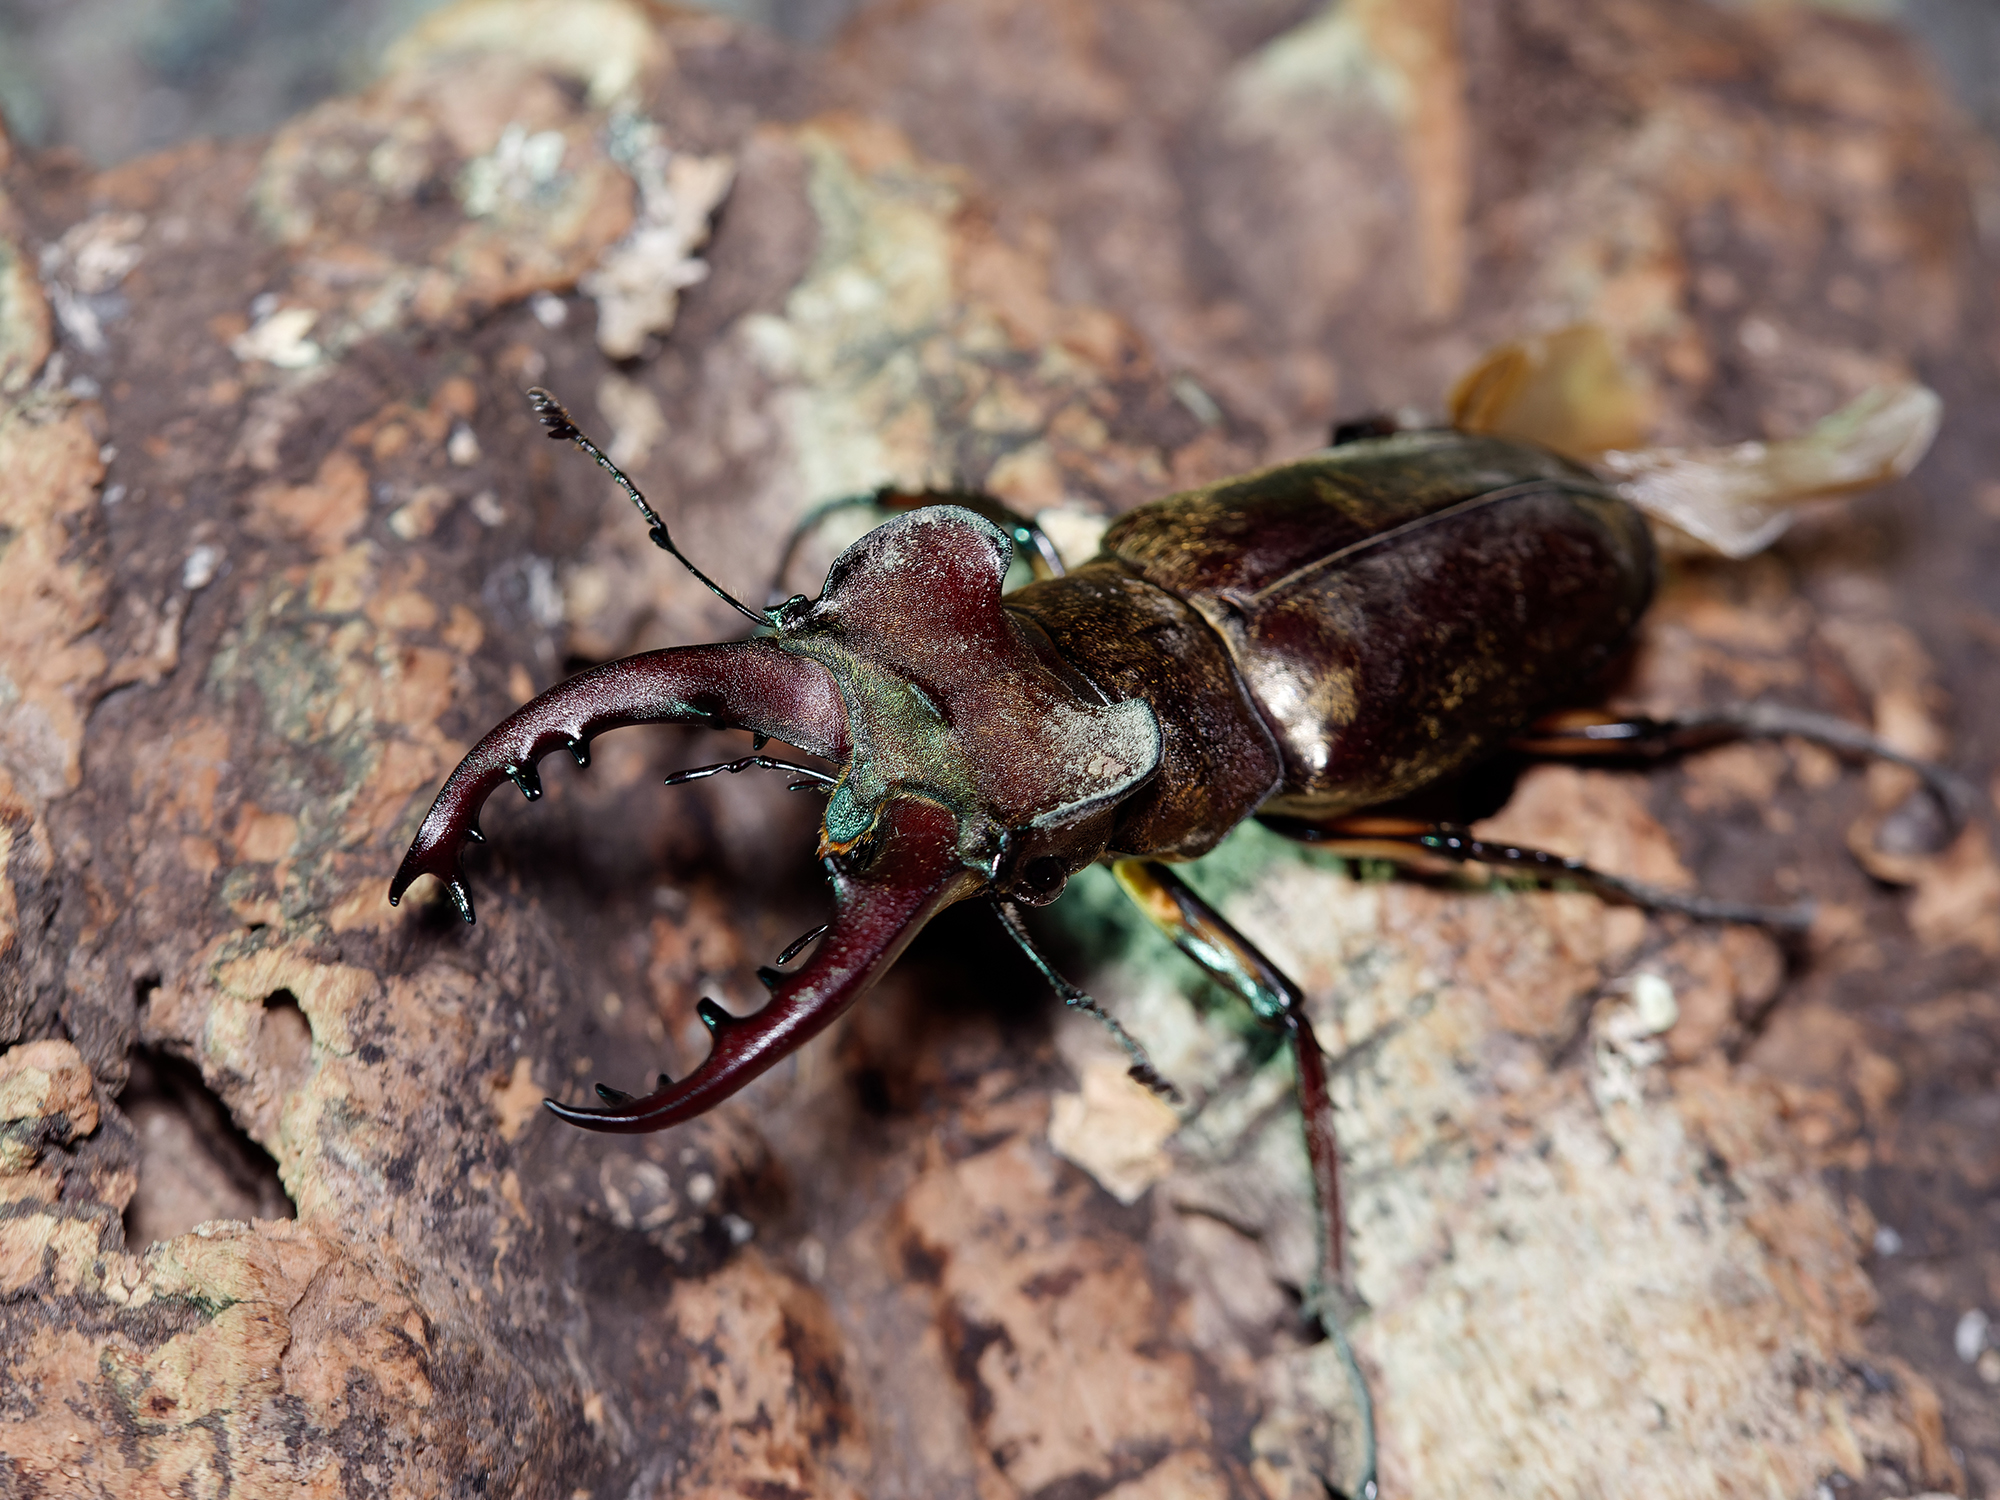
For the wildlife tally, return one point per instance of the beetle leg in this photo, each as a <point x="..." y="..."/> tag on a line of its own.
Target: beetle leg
<point x="1411" y="841"/>
<point x="1204" y="935"/>
<point x="1587" y="732"/>
<point x="1376" y="424"/>
<point x="750" y="685"/>
<point x="1142" y="1069"/>
<point x="911" y="871"/>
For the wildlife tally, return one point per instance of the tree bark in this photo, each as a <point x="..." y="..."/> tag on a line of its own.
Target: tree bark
<point x="279" y="540"/>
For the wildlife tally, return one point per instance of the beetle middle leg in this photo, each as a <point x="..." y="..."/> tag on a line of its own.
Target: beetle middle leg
<point x="1204" y="935"/>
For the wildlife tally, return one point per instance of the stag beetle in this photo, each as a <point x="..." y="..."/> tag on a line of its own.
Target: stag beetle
<point x="1303" y="645"/>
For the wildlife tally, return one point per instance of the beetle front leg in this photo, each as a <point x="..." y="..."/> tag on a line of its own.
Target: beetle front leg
<point x="1142" y="1070"/>
<point x="750" y="685"/>
<point x="1204" y="935"/>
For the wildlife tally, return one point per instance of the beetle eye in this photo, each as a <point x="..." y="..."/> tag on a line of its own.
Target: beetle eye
<point x="1041" y="881"/>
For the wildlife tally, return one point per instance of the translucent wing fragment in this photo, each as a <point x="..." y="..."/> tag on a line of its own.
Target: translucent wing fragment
<point x="1571" y="391"/>
<point x="1739" y="499"/>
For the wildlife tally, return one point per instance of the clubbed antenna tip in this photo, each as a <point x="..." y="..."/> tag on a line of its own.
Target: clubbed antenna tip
<point x="553" y="415"/>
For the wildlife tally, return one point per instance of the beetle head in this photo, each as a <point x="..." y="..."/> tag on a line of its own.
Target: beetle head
<point x="950" y="697"/>
<point x="974" y="759"/>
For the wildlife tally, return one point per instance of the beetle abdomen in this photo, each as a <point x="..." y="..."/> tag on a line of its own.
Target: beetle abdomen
<point x="1399" y="606"/>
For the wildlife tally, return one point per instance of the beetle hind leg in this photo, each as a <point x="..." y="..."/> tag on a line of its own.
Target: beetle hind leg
<point x="1410" y="841"/>
<point x="1584" y="733"/>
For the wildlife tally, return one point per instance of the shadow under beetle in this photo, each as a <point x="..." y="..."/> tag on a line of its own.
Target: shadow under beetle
<point x="1301" y="645"/>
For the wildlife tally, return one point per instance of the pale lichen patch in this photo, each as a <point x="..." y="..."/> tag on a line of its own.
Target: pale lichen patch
<point x="25" y="324"/>
<point x="517" y="1099"/>
<point x="1574" y="1208"/>
<point x="41" y="1081"/>
<point x="55" y="598"/>
<point x="1115" y="1128"/>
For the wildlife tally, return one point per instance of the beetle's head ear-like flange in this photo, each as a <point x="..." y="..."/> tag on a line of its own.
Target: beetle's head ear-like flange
<point x="947" y="694"/>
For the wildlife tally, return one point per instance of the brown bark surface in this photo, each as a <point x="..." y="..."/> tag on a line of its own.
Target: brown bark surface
<point x="279" y="540"/>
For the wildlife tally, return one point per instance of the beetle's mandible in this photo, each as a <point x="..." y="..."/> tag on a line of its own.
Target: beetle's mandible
<point x="1303" y="644"/>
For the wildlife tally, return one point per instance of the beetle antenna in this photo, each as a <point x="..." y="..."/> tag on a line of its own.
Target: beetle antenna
<point x="556" y="418"/>
<point x="1142" y="1069"/>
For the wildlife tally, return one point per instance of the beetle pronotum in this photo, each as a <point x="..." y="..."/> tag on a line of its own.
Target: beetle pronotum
<point x="1302" y="645"/>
